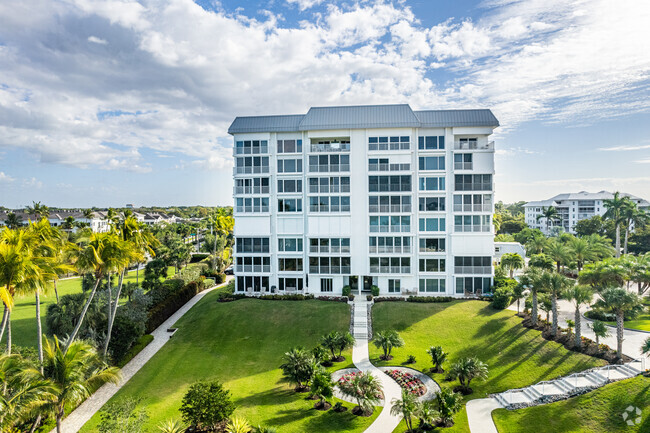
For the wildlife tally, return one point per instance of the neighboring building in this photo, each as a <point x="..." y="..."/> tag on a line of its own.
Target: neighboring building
<point x="501" y="248"/>
<point x="152" y="218"/>
<point x="57" y="218"/>
<point x="573" y="207"/>
<point x="365" y="195"/>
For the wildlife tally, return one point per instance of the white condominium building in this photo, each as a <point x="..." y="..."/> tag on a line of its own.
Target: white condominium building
<point x="364" y="195"/>
<point x="571" y="208"/>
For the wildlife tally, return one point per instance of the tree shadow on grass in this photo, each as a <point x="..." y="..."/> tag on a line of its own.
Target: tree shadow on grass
<point x="269" y="397"/>
<point x="331" y="421"/>
<point x="409" y="313"/>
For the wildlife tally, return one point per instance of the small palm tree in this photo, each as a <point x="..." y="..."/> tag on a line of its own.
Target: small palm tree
<point x="344" y="341"/>
<point x="321" y="386"/>
<point x="365" y="389"/>
<point x="238" y="425"/>
<point x="600" y="330"/>
<point x="449" y="403"/>
<point x="298" y="367"/>
<point x="406" y="407"/>
<point x="512" y="262"/>
<point x="467" y="369"/>
<point x="387" y="340"/>
<point x="580" y="295"/>
<point x="426" y="413"/>
<point x="620" y="302"/>
<point x="12" y="221"/>
<point x="330" y="342"/>
<point x="172" y="426"/>
<point x="645" y="349"/>
<point x="438" y="357"/>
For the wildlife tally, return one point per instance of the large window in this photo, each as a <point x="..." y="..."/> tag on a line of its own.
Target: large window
<point x="473" y="285"/>
<point x="289" y="146"/>
<point x="253" y="147"/>
<point x="473" y="265"/>
<point x="389" y="183"/>
<point x="394" y="286"/>
<point x="431" y="163"/>
<point x="253" y="264"/>
<point x="431" y="143"/>
<point x="290" y="284"/>
<point x="290" y="264"/>
<point x="390" y="265"/>
<point x="472" y="223"/>
<point x="289" y="165"/>
<point x="252" y="245"/>
<point x="467" y="144"/>
<point x="432" y="265"/>
<point x="252" y="284"/>
<point x="329" y="163"/>
<point x="383" y="164"/>
<point x="432" y="204"/>
<point x="472" y="203"/>
<point x="290" y="245"/>
<point x="252" y="205"/>
<point x="389" y="244"/>
<point x="333" y="145"/>
<point x="329" y="184"/>
<point x="390" y="223"/>
<point x="329" y="265"/>
<point x="432" y="225"/>
<point x="289" y="205"/>
<point x="463" y="161"/>
<point x="389" y="203"/>
<point x="432" y="245"/>
<point x="389" y="143"/>
<point x="329" y="245"/>
<point x="432" y="285"/>
<point x="432" y="184"/>
<point x="326" y="284"/>
<point x="255" y="185"/>
<point x="329" y="204"/>
<point x="289" y="185"/>
<point x="473" y="182"/>
<point x="252" y="164"/>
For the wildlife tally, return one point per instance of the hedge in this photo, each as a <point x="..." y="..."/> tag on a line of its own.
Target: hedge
<point x="168" y="306"/>
<point x="421" y="299"/>
<point x="135" y="349"/>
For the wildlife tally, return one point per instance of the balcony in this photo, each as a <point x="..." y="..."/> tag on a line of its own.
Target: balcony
<point x="389" y="167"/>
<point x="472" y="208"/>
<point x="328" y="189"/>
<point x="473" y="145"/>
<point x="463" y="165"/>
<point x="251" y="170"/>
<point x="390" y="229"/>
<point x="387" y="208"/>
<point x="330" y="147"/>
<point x="329" y="270"/>
<point x="473" y="269"/>
<point x="251" y="209"/>
<point x="323" y="249"/>
<point x="386" y="249"/>
<point x="252" y="190"/>
<point x="251" y="150"/>
<point x="253" y="268"/>
<point x="472" y="229"/>
<point x="329" y="168"/>
<point x="390" y="269"/>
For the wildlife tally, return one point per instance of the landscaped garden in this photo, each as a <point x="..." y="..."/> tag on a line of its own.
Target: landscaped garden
<point x="242" y="344"/>
<point x="641" y="322"/>
<point x="600" y="411"/>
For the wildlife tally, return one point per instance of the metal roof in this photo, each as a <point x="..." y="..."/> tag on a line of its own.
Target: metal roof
<point x="361" y="117"/>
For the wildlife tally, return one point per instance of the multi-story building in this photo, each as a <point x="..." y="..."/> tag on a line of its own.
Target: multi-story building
<point x="571" y="208"/>
<point x="365" y="195"/>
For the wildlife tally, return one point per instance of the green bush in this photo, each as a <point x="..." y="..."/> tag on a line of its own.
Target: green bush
<point x="374" y="290"/>
<point x="169" y="305"/>
<point x="220" y="278"/>
<point x="206" y="404"/>
<point x="135" y="349"/>
<point x="428" y="299"/>
<point x="502" y="298"/>
<point x="346" y="291"/>
<point x="296" y="297"/>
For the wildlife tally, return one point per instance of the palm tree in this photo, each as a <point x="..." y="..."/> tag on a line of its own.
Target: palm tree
<point x="619" y="302"/>
<point x="532" y="280"/>
<point x="405" y="407"/>
<point x="426" y="413"/>
<point x="321" y="386"/>
<point x="344" y="341"/>
<point x="298" y="367"/>
<point x="641" y="273"/>
<point x="238" y="425"/>
<point x="38" y="209"/>
<point x="536" y="244"/>
<point x="88" y="214"/>
<point x="550" y="214"/>
<point x="518" y="293"/>
<point x="387" y="340"/>
<point x="330" y="342"/>
<point x="600" y="330"/>
<point x="512" y="262"/>
<point x="556" y="285"/>
<point x="75" y="373"/>
<point x="645" y="349"/>
<point x="449" y="403"/>
<point x="438" y="357"/>
<point x="603" y="274"/>
<point x="365" y="389"/>
<point x="632" y="217"/>
<point x="12" y="221"/>
<point x="581" y="251"/>
<point x="580" y="295"/>
<point x="559" y="252"/>
<point x="615" y="208"/>
<point x="467" y="369"/>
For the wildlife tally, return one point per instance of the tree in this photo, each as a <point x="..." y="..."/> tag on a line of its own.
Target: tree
<point x="518" y="293"/>
<point x="645" y="349"/>
<point x="449" y="403"/>
<point x="321" y="386"/>
<point x="619" y="302"/>
<point x="600" y="330"/>
<point x="467" y="369"/>
<point x="603" y="274"/>
<point x="556" y="285"/>
<point x="589" y="226"/>
<point x="549" y="214"/>
<point x="206" y="404"/>
<point x="122" y="416"/>
<point x="512" y="262"/>
<point x="154" y="271"/>
<point x="344" y="341"/>
<point x="406" y="407"/>
<point x="558" y="252"/>
<point x="532" y="280"/>
<point x="536" y="244"/>
<point x="580" y="295"/>
<point x="615" y="208"/>
<point x="365" y="389"/>
<point x="330" y="342"/>
<point x="631" y="217"/>
<point x="37" y="209"/>
<point x="387" y="340"/>
<point x="426" y="413"/>
<point x="546" y="305"/>
<point x="438" y="357"/>
<point x="12" y="221"/>
<point x="541" y="261"/>
<point x="75" y="373"/>
<point x="641" y="273"/>
<point x="298" y="367"/>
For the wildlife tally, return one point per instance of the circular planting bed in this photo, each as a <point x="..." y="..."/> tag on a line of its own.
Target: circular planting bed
<point x="415" y="382"/>
<point x="345" y="375"/>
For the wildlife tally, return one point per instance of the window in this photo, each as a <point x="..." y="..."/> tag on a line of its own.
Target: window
<point x="389" y="203"/>
<point x="473" y="265"/>
<point x="252" y="245"/>
<point x="467" y="143"/>
<point x="252" y="283"/>
<point x="289" y="146"/>
<point x="473" y="182"/>
<point x="290" y="264"/>
<point x="290" y="284"/>
<point x="290" y="245"/>
<point x="389" y="183"/>
<point x="329" y="204"/>
<point x="432" y="285"/>
<point x="394" y="286"/>
<point x="252" y="205"/>
<point x="289" y="185"/>
<point x="472" y="223"/>
<point x="389" y="143"/>
<point x="329" y="245"/>
<point x="252" y="164"/>
<point x="431" y="143"/>
<point x="472" y="203"/>
<point x="463" y="161"/>
<point x="251" y="147"/>
<point x="432" y="245"/>
<point x="390" y="265"/>
<point x="432" y="204"/>
<point x="329" y="265"/>
<point x="382" y="164"/>
<point x="325" y="284"/>
<point x="389" y="244"/>
<point x="329" y="184"/>
<point x="390" y="223"/>
<point x="432" y="224"/>
<point x="288" y="205"/>
<point x="289" y="165"/>
<point x="332" y="145"/>
<point x="473" y="285"/>
<point x="255" y="185"/>
<point x="432" y="265"/>
<point x="432" y="184"/>
<point x="329" y="163"/>
<point x="431" y="163"/>
<point x="253" y="264"/>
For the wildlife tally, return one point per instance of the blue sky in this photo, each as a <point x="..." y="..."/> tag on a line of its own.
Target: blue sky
<point x="104" y="103"/>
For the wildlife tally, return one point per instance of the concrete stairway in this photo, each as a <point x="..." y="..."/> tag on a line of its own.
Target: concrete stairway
<point x="360" y="328"/>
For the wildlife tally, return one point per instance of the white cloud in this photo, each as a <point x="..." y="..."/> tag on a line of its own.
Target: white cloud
<point x="625" y="148"/>
<point x="32" y="183"/>
<point x="305" y="4"/>
<point x="5" y="178"/>
<point x="97" y="40"/>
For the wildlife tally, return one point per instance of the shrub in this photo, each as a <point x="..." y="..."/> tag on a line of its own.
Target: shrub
<point x="351" y="297"/>
<point x="333" y="298"/>
<point x="220" y="278"/>
<point x="374" y="290"/>
<point x="410" y="359"/>
<point x="346" y="291"/>
<point x="368" y="297"/>
<point x="168" y="306"/>
<point x="296" y="297"/>
<point x="206" y="404"/>
<point x="154" y="271"/>
<point x="427" y="299"/>
<point x="390" y="299"/>
<point x="502" y="298"/>
<point x="122" y="416"/>
<point x="135" y="349"/>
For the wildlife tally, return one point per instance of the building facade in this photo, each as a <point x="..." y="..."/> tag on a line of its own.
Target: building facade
<point x="571" y="208"/>
<point x="364" y="195"/>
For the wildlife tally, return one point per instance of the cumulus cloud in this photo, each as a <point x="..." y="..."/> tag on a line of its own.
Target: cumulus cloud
<point x="305" y="4"/>
<point x="5" y="178"/>
<point x="97" y="40"/>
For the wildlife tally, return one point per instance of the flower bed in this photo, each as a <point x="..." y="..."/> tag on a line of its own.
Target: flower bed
<point x="409" y="382"/>
<point x="349" y="376"/>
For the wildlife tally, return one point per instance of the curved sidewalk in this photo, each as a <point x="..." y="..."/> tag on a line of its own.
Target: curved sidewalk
<point x="82" y="414"/>
<point x="385" y="422"/>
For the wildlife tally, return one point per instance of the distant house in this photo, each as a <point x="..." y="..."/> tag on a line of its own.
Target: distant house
<point x="501" y="248"/>
<point x="153" y="218"/>
<point x="57" y="218"/>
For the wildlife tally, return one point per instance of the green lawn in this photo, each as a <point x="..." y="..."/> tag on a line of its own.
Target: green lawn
<point x="241" y="344"/>
<point x="642" y="322"/>
<point x="516" y="356"/>
<point x="598" y="411"/>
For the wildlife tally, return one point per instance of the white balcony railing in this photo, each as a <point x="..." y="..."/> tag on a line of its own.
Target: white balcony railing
<point x="471" y="229"/>
<point x="473" y="269"/>
<point x="463" y="165"/>
<point x="389" y="167"/>
<point x="251" y="169"/>
<point x="385" y="249"/>
<point x="390" y="269"/>
<point x="387" y="208"/>
<point x="330" y="147"/>
<point x="329" y="168"/>
<point x="472" y="208"/>
<point x="473" y="145"/>
<point x="252" y="190"/>
<point x="253" y="268"/>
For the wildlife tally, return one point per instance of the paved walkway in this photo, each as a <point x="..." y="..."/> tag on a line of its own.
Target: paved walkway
<point x="81" y="415"/>
<point x="385" y="422"/>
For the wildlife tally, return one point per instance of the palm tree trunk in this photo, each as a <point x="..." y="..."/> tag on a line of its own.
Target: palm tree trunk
<point x="534" y="312"/>
<point x="577" y="320"/>
<point x="83" y="315"/>
<point x="9" y="332"/>
<point x="618" y="240"/>
<point x="39" y="330"/>
<point x="137" y="273"/>
<point x="59" y="417"/>
<point x="112" y="311"/>
<point x="620" y="318"/>
<point x="627" y="232"/>
<point x="56" y="292"/>
<point x="554" y="308"/>
<point x="5" y="319"/>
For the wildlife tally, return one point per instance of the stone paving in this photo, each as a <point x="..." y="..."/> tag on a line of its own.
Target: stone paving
<point x="82" y="414"/>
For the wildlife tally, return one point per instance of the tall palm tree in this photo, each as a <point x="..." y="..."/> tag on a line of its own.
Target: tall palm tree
<point x="633" y="217"/>
<point x="405" y="407"/>
<point x="75" y="373"/>
<point x="532" y="279"/>
<point x="549" y="214"/>
<point x="555" y="284"/>
<point x="536" y="244"/>
<point x="38" y="209"/>
<point x="512" y="262"/>
<point x="559" y="252"/>
<point x="600" y="246"/>
<point x="641" y="273"/>
<point x="620" y="302"/>
<point x="615" y="208"/>
<point x="580" y="295"/>
<point x="581" y="251"/>
<point x="603" y="274"/>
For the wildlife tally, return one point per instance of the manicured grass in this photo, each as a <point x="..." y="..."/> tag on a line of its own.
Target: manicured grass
<point x="642" y="322"/>
<point x="516" y="356"/>
<point x="599" y="411"/>
<point x="241" y="344"/>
